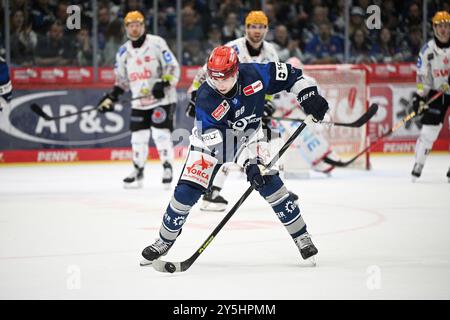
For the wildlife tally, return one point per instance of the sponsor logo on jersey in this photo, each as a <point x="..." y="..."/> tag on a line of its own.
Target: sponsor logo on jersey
<point x="440" y="73"/>
<point x="253" y="88"/>
<point x="159" y="115"/>
<point x="144" y="75"/>
<point x="212" y="138"/>
<point x="281" y="72"/>
<point x="419" y="63"/>
<point x="241" y="124"/>
<point x="221" y="110"/>
<point x="147" y="58"/>
<point x="446" y="60"/>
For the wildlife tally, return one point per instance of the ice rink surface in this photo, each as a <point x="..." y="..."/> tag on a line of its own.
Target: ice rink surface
<point x="72" y="232"/>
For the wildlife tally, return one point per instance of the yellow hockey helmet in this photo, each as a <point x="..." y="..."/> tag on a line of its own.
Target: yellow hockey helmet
<point x="134" y="16"/>
<point x="256" y="17"/>
<point x="441" y="17"/>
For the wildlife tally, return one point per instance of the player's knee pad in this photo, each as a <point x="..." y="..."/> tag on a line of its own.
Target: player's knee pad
<point x="184" y="197"/>
<point x="139" y="144"/>
<point x="283" y="205"/>
<point x="163" y="142"/>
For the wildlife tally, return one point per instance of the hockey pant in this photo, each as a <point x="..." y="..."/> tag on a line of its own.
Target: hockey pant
<point x="424" y="144"/>
<point x="163" y="142"/>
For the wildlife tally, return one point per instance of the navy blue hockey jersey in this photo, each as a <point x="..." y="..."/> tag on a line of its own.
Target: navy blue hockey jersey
<point x="239" y="117"/>
<point x="5" y="83"/>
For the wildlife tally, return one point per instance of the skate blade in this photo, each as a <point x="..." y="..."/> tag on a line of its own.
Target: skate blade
<point x="133" y="185"/>
<point x="311" y="261"/>
<point x="144" y="263"/>
<point x="213" y="208"/>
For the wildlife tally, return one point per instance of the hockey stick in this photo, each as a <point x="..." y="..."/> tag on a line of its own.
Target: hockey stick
<point x="388" y="133"/>
<point x="38" y="110"/>
<point x="355" y="124"/>
<point x="171" y="267"/>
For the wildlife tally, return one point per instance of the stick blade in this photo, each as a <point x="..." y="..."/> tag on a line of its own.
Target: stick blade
<point x="368" y="115"/>
<point x="168" y="267"/>
<point x="38" y="110"/>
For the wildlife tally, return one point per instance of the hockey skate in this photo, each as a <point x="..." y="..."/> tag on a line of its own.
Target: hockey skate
<point x="135" y="179"/>
<point x="155" y="251"/>
<point x="167" y="175"/>
<point x="213" y="201"/>
<point x="417" y="171"/>
<point x="307" y="249"/>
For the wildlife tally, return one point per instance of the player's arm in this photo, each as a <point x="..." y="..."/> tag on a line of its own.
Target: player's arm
<point x="281" y="76"/>
<point x="5" y="84"/>
<point x="199" y="78"/>
<point x="170" y="71"/>
<point x="424" y="79"/>
<point x="121" y="83"/>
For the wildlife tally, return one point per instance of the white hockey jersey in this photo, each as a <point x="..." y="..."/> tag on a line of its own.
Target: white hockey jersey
<point x="137" y="70"/>
<point x="433" y="67"/>
<point x="267" y="54"/>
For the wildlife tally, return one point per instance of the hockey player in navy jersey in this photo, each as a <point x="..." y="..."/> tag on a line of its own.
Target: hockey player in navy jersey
<point x="229" y="108"/>
<point x="5" y="85"/>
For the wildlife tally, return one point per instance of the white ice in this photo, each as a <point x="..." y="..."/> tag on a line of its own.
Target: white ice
<point x="72" y="232"/>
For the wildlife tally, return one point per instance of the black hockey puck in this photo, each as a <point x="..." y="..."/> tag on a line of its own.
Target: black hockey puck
<point x="170" y="267"/>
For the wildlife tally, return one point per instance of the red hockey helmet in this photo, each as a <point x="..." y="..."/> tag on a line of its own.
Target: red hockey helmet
<point x="222" y="63"/>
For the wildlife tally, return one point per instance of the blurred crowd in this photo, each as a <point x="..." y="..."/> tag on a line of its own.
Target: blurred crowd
<point x="312" y="30"/>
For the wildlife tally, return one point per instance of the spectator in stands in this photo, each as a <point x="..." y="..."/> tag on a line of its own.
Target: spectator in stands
<point x="214" y="39"/>
<point x="20" y="5"/>
<point x="384" y="49"/>
<point x="357" y="16"/>
<point x="114" y="37"/>
<point x="285" y="46"/>
<point x="52" y="50"/>
<point x="23" y="40"/>
<point x="132" y="5"/>
<point x="83" y="47"/>
<point x="319" y="16"/>
<point x="360" y="48"/>
<point x="42" y="16"/>
<point x="235" y="6"/>
<point x="411" y="45"/>
<point x="193" y="54"/>
<point x="270" y="11"/>
<point x="413" y="17"/>
<point x="296" y="18"/>
<point x="389" y="16"/>
<point x="191" y="27"/>
<point x="337" y="17"/>
<point x="104" y="18"/>
<point x="232" y="28"/>
<point x="325" y="48"/>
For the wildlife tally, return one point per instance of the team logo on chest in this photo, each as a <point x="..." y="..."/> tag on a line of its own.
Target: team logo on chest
<point x="253" y="88"/>
<point x="221" y="110"/>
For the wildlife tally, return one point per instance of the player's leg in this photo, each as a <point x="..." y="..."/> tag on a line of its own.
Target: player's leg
<point x="431" y="126"/>
<point x="212" y="200"/>
<point x="140" y="136"/>
<point x="198" y="171"/>
<point x="286" y="209"/>
<point x="162" y="127"/>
